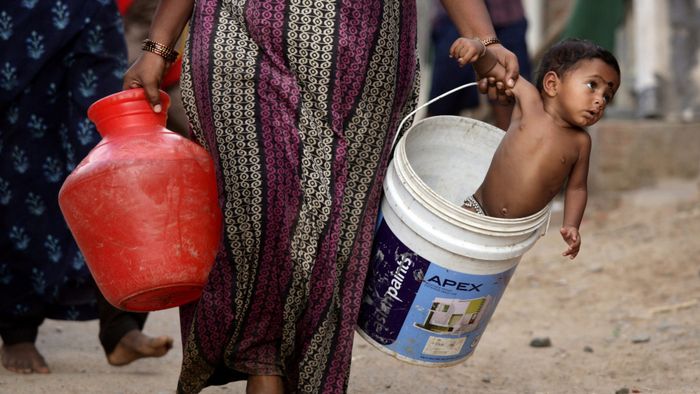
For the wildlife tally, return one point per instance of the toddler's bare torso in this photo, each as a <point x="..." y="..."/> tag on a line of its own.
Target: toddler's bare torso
<point x="528" y="168"/>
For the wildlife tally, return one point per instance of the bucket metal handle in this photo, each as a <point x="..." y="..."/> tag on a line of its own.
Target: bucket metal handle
<point x="420" y="107"/>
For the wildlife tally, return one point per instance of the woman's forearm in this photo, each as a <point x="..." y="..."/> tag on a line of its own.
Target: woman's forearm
<point x="471" y="18"/>
<point x="170" y="18"/>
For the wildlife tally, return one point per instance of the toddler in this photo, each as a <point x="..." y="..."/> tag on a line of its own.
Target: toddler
<point x="547" y="141"/>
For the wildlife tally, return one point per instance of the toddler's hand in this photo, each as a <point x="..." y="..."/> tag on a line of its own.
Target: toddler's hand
<point x="573" y="239"/>
<point x="466" y="50"/>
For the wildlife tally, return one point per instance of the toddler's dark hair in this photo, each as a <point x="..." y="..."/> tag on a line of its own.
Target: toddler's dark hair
<point x="564" y="56"/>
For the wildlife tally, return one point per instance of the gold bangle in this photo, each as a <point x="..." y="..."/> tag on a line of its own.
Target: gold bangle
<point x="490" y="40"/>
<point x="167" y="53"/>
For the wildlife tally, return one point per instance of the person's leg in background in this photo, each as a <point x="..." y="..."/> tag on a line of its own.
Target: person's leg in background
<point x="42" y="136"/>
<point x="77" y="59"/>
<point x="446" y="73"/>
<point x="19" y="352"/>
<point x="122" y="338"/>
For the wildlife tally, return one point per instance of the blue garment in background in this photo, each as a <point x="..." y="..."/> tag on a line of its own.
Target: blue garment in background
<point x="56" y="58"/>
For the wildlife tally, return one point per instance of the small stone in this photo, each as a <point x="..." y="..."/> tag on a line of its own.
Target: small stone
<point x="596" y="269"/>
<point x="588" y="349"/>
<point x="486" y="380"/>
<point x="641" y="339"/>
<point x="541" y="342"/>
<point x="623" y="390"/>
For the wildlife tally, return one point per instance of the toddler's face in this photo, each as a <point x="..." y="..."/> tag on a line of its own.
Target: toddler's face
<point x="587" y="90"/>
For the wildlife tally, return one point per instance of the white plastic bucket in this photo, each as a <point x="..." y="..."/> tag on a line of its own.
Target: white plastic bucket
<point x="438" y="270"/>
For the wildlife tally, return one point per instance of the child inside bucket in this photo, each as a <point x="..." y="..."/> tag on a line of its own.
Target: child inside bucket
<point x="546" y="142"/>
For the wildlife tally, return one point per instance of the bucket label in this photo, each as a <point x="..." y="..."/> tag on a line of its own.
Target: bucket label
<point x="420" y="310"/>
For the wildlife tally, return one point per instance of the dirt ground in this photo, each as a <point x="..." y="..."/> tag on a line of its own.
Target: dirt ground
<point x="623" y="317"/>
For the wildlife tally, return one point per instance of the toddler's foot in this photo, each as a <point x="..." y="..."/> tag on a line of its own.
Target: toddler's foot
<point x="23" y="357"/>
<point x="135" y="345"/>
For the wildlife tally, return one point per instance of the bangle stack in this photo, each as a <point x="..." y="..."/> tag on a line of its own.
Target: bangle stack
<point x="164" y="51"/>
<point x="490" y="41"/>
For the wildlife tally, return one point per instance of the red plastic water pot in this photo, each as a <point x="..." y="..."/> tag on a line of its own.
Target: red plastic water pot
<point x="143" y="207"/>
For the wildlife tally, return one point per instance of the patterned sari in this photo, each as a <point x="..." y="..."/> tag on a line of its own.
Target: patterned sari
<point x="298" y="101"/>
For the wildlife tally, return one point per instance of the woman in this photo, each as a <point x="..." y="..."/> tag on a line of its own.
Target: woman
<point x="58" y="57"/>
<point x="298" y="101"/>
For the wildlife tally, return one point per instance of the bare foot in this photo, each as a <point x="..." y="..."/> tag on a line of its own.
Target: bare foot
<point x="135" y="345"/>
<point x="23" y="357"/>
<point x="264" y="384"/>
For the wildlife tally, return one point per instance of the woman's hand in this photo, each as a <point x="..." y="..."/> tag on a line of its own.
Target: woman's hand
<point x="500" y="90"/>
<point x="147" y="73"/>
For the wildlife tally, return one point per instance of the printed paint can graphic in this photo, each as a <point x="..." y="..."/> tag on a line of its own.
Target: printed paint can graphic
<point x="437" y="271"/>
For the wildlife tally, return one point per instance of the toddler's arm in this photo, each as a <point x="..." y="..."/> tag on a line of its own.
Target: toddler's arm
<point x="576" y="197"/>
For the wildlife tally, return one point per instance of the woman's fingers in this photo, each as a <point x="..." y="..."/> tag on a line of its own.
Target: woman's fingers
<point x="146" y="73"/>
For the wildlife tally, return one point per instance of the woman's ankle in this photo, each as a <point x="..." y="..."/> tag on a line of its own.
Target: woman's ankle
<point x="264" y="384"/>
